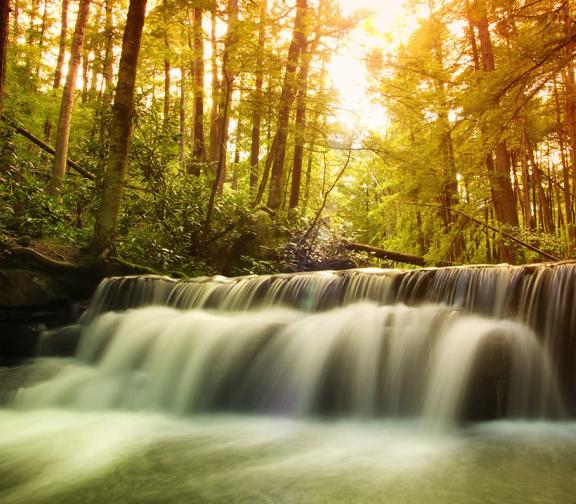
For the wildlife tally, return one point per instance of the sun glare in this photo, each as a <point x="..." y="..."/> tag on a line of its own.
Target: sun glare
<point x="385" y="25"/>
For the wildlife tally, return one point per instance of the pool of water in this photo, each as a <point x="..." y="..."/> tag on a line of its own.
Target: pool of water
<point x="59" y="456"/>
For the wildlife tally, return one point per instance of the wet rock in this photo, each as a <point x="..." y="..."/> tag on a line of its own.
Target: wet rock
<point x="26" y="287"/>
<point x="22" y="326"/>
<point x="337" y="263"/>
<point x="60" y="342"/>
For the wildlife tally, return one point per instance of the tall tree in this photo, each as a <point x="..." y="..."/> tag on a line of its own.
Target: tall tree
<point x="229" y="74"/>
<point x="167" y="66"/>
<point x="4" y="30"/>
<point x="286" y="100"/>
<point x="197" y="46"/>
<point x="214" y="149"/>
<point x="108" y="64"/>
<point x="59" y="62"/>
<point x="258" y="95"/>
<point x="182" y="117"/>
<point x="41" y="37"/>
<point x="61" y="44"/>
<point x="65" y="118"/>
<point x="121" y="131"/>
<point x="499" y="172"/>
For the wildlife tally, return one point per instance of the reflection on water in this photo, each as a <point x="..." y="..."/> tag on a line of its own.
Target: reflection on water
<point x="49" y="456"/>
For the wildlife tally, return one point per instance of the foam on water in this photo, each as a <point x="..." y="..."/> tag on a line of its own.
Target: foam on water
<point x="61" y="456"/>
<point x="347" y="387"/>
<point x="362" y="360"/>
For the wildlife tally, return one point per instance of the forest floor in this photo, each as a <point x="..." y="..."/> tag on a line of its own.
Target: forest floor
<point x="49" y="247"/>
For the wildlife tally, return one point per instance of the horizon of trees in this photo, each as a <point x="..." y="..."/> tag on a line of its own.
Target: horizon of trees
<point x="235" y="110"/>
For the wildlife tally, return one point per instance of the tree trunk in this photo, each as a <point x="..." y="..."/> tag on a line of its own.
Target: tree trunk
<point x="63" y="132"/>
<point x="214" y="148"/>
<point x="503" y="188"/>
<point x="228" y="77"/>
<point x="229" y="73"/>
<point x="318" y="123"/>
<point x="121" y="131"/>
<point x="16" y="18"/>
<point x="199" y="142"/>
<point x="108" y="66"/>
<point x="32" y="24"/>
<point x="449" y="183"/>
<point x="41" y="38"/>
<point x="300" y="126"/>
<point x="286" y="99"/>
<point x="266" y="172"/>
<point x="236" y="162"/>
<point x="565" y="170"/>
<point x="499" y="176"/>
<point x="570" y="109"/>
<point x="59" y="62"/>
<point x="4" y="31"/>
<point x="167" y="83"/>
<point x="258" y="97"/>
<point x="182" y="116"/>
<point x="525" y="201"/>
<point x="61" y="44"/>
<point x="543" y="199"/>
<point x="85" y="73"/>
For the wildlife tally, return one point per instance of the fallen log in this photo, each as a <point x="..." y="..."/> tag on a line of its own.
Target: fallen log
<point x="391" y="256"/>
<point x="48" y="148"/>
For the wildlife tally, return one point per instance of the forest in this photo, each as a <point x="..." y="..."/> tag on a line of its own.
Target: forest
<point x="197" y="137"/>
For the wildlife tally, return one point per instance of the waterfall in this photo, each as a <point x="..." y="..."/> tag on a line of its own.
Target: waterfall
<point x="362" y="360"/>
<point x="541" y="296"/>
<point x="353" y="386"/>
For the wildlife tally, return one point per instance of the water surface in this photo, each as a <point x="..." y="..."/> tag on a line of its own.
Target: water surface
<point x="49" y="456"/>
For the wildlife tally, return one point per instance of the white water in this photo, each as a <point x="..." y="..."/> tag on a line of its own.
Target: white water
<point x="64" y="457"/>
<point x="362" y="360"/>
<point x="364" y="403"/>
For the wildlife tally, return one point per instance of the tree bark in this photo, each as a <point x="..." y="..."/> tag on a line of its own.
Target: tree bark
<point x="85" y="73"/>
<point x="16" y="18"/>
<point x="108" y="66"/>
<point x="121" y="131"/>
<point x="505" y="201"/>
<point x="449" y="183"/>
<point x="286" y="100"/>
<point x="499" y="172"/>
<point x="565" y="171"/>
<point x="167" y="69"/>
<point x="41" y="38"/>
<point x="199" y="142"/>
<point x="570" y="116"/>
<point x="387" y="254"/>
<point x="4" y="31"/>
<point x="59" y="62"/>
<point x="61" y="44"/>
<point x="50" y="150"/>
<point x="182" y="116"/>
<point x="543" y="199"/>
<point x="63" y="132"/>
<point x="300" y="124"/>
<point x="214" y="149"/>
<point x="258" y="97"/>
<point x="229" y="73"/>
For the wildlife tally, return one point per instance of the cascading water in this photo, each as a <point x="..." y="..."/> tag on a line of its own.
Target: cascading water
<point x="361" y="360"/>
<point x="307" y="388"/>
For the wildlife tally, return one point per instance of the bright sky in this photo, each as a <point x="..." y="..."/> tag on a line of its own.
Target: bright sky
<point x="348" y="70"/>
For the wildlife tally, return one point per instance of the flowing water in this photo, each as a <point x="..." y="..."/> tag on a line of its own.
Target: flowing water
<point x="440" y="386"/>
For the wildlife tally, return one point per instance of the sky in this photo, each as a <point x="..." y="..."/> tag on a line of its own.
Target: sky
<point x="347" y="69"/>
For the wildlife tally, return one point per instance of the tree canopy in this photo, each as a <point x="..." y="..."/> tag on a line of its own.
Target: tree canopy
<point x="235" y="149"/>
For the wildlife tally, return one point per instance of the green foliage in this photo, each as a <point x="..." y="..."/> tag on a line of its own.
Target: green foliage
<point x="26" y="209"/>
<point x="164" y="229"/>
